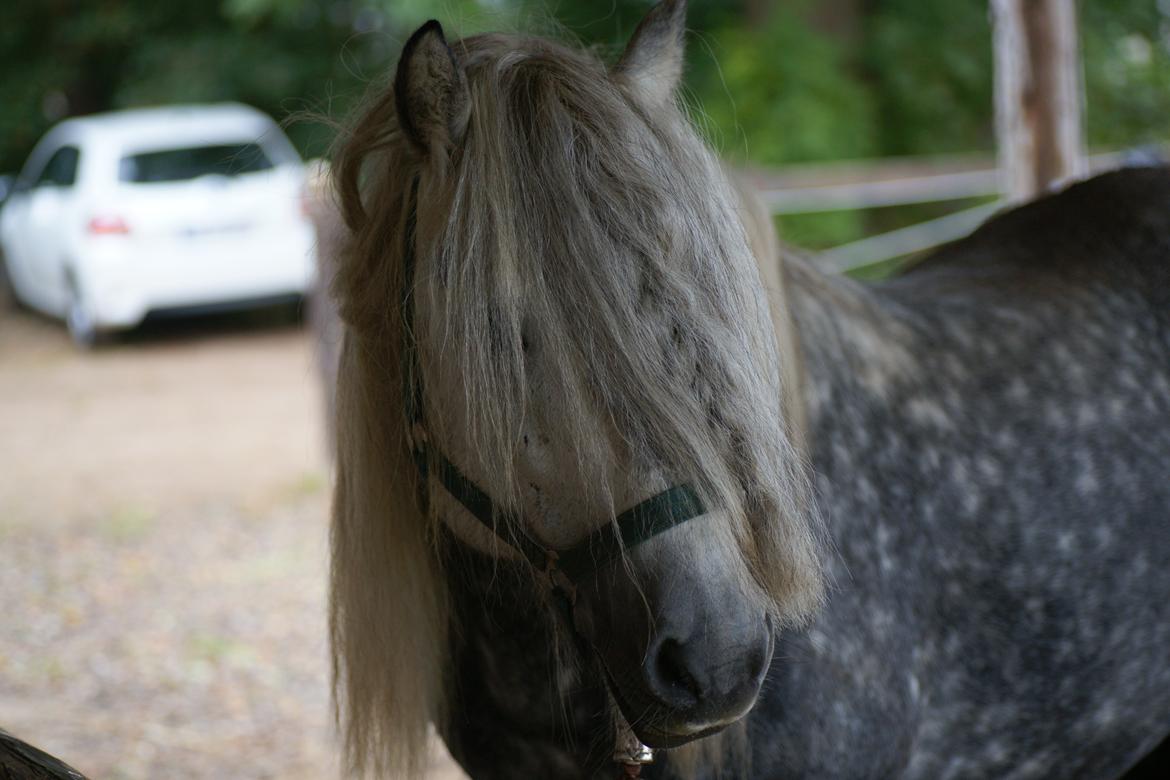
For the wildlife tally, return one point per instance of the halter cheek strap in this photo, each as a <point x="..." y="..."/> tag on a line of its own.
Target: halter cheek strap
<point x="564" y="568"/>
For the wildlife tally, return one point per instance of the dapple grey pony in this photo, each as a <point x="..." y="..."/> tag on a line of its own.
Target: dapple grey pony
<point x="603" y="459"/>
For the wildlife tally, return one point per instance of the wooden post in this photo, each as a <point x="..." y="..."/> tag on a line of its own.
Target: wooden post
<point x="1038" y="95"/>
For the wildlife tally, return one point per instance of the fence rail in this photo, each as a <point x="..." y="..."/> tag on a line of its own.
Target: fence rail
<point x="807" y="189"/>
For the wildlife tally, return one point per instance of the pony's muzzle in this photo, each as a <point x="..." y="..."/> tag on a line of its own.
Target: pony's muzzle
<point x="685" y="654"/>
<point x="704" y="682"/>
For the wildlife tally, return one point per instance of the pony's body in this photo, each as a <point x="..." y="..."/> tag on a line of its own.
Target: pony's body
<point x="991" y="439"/>
<point x="999" y="497"/>
<point x="550" y="291"/>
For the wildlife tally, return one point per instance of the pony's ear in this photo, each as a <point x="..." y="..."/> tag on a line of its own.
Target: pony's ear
<point x="430" y="92"/>
<point x="652" y="63"/>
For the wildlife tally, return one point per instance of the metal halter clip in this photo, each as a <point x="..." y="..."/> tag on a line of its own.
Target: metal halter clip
<point x="559" y="581"/>
<point x="417" y="435"/>
<point x="628" y="751"/>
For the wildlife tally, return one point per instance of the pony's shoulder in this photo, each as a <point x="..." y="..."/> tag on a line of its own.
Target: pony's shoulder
<point x="1114" y="227"/>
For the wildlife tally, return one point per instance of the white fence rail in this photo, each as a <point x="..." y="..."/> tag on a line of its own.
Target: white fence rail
<point x="809" y="189"/>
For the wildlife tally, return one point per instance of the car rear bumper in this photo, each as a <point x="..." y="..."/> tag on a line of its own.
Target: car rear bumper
<point x="122" y="289"/>
<point x="222" y="307"/>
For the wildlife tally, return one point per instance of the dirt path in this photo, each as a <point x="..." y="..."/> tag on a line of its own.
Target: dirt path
<point x="162" y="551"/>
<point x="176" y="419"/>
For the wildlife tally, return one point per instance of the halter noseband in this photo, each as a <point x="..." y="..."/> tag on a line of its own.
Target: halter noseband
<point x="564" y="568"/>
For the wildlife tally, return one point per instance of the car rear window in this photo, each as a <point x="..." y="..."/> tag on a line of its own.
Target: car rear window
<point x="192" y="162"/>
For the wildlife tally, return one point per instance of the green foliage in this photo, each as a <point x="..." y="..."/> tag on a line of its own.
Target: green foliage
<point x="822" y="229"/>
<point x="929" y="66"/>
<point x="782" y="93"/>
<point x="1127" y="71"/>
<point x="767" y="81"/>
<point x="933" y="73"/>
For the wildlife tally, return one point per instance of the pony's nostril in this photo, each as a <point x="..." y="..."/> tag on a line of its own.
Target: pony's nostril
<point x="703" y="680"/>
<point x="761" y="654"/>
<point x="757" y="662"/>
<point x="672" y="678"/>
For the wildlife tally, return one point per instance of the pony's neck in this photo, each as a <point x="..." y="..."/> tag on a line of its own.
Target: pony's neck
<point x="765" y="246"/>
<point x="825" y="324"/>
<point x="849" y="343"/>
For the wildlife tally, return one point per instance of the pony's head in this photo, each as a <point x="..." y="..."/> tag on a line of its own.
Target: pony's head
<point x="590" y="329"/>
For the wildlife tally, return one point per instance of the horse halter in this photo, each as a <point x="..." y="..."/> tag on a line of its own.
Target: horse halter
<point x="562" y="568"/>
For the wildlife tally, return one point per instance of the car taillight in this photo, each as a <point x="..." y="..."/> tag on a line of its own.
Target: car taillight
<point x="106" y="225"/>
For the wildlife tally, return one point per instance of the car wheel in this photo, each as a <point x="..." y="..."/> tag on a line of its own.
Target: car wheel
<point x="7" y="292"/>
<point x="80" y="321"/>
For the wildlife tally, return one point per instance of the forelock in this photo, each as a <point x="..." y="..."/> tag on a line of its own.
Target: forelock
<point x="609" y="233"/>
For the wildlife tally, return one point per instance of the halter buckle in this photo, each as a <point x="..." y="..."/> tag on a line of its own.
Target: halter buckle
<point x="628" y="751"/>
<point x="557" y="579"/>
<point x="417" y="435"/>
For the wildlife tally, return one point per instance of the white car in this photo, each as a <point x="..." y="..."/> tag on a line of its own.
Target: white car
<point x="186" y="208"/>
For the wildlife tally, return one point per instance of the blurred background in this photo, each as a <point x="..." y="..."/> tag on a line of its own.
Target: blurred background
<point x="163" y="498"/>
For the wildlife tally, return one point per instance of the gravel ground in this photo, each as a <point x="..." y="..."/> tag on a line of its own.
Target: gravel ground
<point x="163" y="510"/>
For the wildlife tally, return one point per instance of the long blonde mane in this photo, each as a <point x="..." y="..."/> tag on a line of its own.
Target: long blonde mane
<point x="566" y="198"/>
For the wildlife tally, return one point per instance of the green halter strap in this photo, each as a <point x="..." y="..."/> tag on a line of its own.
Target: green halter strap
<point x="565" y="568"/>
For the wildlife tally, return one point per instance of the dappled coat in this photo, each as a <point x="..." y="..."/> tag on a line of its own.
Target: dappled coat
<point x="990" y="436"/>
